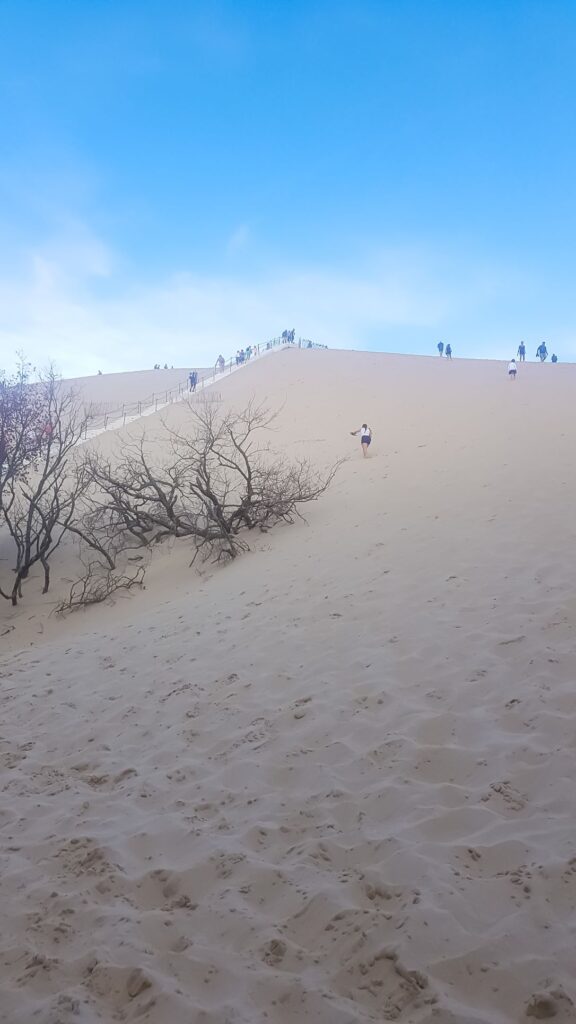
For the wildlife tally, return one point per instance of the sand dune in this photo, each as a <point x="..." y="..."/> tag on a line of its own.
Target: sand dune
<point x="116" y="388"/>
<point x="333" y="782"/>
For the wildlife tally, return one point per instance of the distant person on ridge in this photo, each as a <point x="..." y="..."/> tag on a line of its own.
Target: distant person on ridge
<point x="193" y="380"/>
<point x="448" y="351"/>
<point x="554" y="358"/>
<point x="542" y="352"/>
<point x="365" y="437"/>
<point x="512" y="368"/>
<point x="521" y="353"/>
<point x="440" y="347"/>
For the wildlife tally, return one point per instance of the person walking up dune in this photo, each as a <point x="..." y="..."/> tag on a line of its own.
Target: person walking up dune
<point x="512" y="368"/>
<point x="365" y="437"/>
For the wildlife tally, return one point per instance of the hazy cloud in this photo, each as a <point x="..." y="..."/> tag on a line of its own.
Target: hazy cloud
<point x="55" y="308"/>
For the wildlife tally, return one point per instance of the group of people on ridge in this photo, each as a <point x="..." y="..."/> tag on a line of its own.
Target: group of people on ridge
<point x="244" y="354"/>
<point x="541" y="354"/>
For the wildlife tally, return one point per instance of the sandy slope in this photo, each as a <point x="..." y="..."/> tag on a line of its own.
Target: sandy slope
<point x="112" y="390"/>
<point x="334" y="782"/>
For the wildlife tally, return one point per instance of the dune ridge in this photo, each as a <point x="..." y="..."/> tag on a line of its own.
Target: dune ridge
<point x="333" y="782"/>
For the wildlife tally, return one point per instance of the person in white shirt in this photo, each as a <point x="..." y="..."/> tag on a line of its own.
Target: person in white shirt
<point x="365" y="437"/>
<point x="512" y="369"/>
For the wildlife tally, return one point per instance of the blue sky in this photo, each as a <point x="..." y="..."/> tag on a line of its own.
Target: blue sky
<point x="179" y="179"/>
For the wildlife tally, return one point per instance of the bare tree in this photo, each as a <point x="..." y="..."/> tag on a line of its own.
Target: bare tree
<point x="212" y="483"/>
<point x="40" y="482"/>
<point x="23" y="416"/>
<point x="220" y="481"/>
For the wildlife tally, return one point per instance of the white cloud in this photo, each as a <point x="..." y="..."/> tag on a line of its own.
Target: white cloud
<point x="53" y="311"/>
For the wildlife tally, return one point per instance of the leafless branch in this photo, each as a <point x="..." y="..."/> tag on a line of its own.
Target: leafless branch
<point x="97" y="584"/>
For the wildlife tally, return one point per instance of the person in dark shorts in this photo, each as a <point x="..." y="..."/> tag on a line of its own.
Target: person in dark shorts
<point x="512" y="368"/>
<point x="365" y="437"/>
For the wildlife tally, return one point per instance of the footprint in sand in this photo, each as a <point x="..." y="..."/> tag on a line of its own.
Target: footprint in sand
<point x="506" y="793"/>
<point x="545" y="1005"/>
<point x="383" y="984"/>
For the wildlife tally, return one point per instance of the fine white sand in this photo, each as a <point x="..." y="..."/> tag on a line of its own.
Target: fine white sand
<point x="334" y="782"/>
